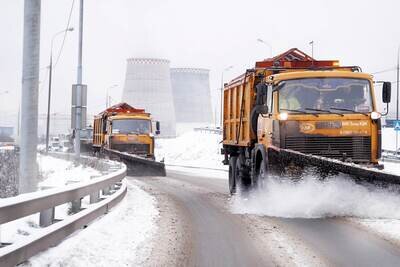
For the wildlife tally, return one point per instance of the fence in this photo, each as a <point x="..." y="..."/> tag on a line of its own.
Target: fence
<point x="44" y="202"/>
<point x="208" y="130"/>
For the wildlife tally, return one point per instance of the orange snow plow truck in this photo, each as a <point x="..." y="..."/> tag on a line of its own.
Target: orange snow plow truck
<point x="292" y="110"/>
<point x="125" y="129"/>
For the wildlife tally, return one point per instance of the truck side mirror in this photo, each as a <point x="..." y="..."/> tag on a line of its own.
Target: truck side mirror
<point x="158" y="127"/>
<point x="261" y="92"/>
<point x="386" y="92"/>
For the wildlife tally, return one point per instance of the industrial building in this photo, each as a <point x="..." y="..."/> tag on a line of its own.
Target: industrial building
<point x="148" y="86"/>
<point x="192" y="97"/>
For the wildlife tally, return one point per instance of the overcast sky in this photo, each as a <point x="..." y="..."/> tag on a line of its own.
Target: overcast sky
<point x="208" y="34"/>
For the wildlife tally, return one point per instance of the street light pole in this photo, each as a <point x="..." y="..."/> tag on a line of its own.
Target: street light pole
<point x="221" y="122"/>
<point x="78" y="118"/>
<point x="28" y="170"/>
<point x="267" y="44"/>
<point x="108" y="100"/>
<point x="50" y="80"/>
<point x="48" y="104"/>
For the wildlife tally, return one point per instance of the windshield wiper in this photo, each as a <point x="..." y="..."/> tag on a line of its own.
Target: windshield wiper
<point x="299" y="111"/>
<point x="324" y="110"/>
<point x="350" y="110"/>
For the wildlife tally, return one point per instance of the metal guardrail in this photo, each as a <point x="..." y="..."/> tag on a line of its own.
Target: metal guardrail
<point x="390" y="151"/>
<point x="390" y="155"/>
<point x="209" y="130"/>
<point x="45" y="201"/>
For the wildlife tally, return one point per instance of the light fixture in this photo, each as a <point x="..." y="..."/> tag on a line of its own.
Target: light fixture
<point x="283" y="116"/>
<point x="375" y="115"/>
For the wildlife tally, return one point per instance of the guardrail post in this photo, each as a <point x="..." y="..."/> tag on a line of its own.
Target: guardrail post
<point x="106" y="191"/>
<point x="46" y="217"/>
<point x="76" y="205"/>
<point x="94" y="197"/>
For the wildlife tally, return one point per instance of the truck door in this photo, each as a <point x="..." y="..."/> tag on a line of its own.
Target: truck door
<point x="264" y="131"/>
<point x="268" y="117"/>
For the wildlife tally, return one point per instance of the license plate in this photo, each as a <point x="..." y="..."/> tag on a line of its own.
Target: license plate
<point x="328" y="125"/>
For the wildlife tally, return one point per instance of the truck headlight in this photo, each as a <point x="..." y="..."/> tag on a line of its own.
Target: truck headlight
<point x="283" y="116"/>
<point x="375" y="115"/>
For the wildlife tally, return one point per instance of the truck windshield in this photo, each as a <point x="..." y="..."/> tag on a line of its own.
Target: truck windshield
<point x="131" y="126"/>
<point x="338" y="95"/>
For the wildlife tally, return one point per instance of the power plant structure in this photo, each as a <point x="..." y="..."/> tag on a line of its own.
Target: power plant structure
<point x="192" y="97"/>
<point x="148" y="86"/>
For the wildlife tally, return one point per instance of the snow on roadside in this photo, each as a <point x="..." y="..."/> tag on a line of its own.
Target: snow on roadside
<point x="58" y="172"/>
<point x="388" y="228"/>
<point x="120" y="238"/>
<point x="193" y="149"/>
<point x="55" y="173"/>
<point x="389" y="138"/>
<point x="391" y="167"/>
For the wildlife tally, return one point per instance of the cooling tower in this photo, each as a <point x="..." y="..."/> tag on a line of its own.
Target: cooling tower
<point x="192" y="97"/>
<point x="148" y="86"/>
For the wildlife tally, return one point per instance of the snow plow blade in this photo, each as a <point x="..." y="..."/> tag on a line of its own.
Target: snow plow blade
<point x="358" y="172"/>
<point x="138" y="166"/>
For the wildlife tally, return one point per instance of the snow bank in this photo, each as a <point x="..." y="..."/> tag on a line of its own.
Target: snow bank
<point x="194" y="149"/>
<point x="389" y="138"/>
<point x="54" y="173"/>
<point x="58" y="172"/>
<point x="120" y="238"/>
<point x="392" y="167"/>
<point x="314" y="198"/>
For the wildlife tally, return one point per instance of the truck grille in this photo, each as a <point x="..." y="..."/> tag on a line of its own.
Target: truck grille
<point x="358" y="148"/>
<point x="132" y="148"/>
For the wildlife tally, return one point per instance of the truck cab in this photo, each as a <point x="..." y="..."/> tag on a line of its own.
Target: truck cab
<point x="132" y="134"/>
<point x="324" y="113"/>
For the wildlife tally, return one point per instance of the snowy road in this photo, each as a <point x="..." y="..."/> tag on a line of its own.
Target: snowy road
<point x="202" y="231"/>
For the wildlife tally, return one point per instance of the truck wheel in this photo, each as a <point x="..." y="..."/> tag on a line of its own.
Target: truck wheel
<point x="232" y="174"/>
<point x="242" y="175"/>
<point x="261" y="175"/>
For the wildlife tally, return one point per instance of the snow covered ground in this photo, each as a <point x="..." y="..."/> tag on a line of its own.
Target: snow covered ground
<point x="120" y="238"/>
<point x="389" y="138"/>
<point x="192" y="149"/>
<point x="54" y="173"/>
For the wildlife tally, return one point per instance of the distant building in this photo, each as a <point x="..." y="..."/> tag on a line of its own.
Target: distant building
<point x="148" y="86"/>
<point x="192" y="97"/>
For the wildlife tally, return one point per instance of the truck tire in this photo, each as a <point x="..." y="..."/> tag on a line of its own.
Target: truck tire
<point x="260" y="175"/>
<point x="242" y="175"/>
<point x="232" y="174"/>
